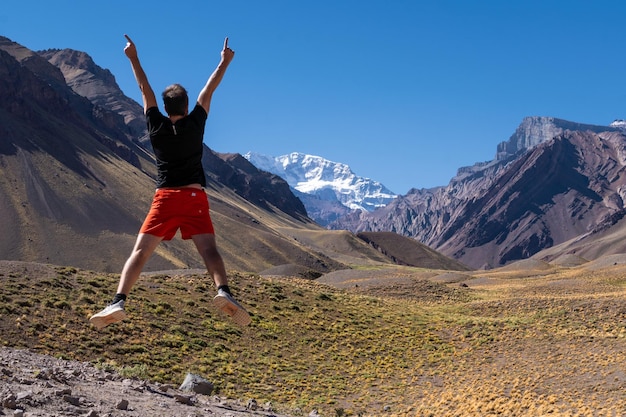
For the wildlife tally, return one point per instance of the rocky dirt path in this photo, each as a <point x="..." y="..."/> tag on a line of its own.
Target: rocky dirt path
<point x="37" y="385"/>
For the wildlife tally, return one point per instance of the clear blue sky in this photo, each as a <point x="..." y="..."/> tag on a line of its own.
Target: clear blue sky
<point x="405" y="92"/>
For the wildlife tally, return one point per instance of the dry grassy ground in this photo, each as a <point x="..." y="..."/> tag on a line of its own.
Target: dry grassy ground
<point x="526" y="340"/>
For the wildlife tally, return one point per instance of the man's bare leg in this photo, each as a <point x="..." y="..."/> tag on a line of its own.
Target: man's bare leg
<point x="114" y="312"/>
<point x="207" y="247"/>
<point x="144" y="247"/>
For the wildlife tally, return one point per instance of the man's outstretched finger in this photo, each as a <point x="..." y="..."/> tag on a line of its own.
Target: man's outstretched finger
<point x="226" y="43"/>
<point x="128" y="38"/>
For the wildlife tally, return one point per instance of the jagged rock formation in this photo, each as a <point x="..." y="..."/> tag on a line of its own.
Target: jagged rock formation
<point x="98" y="85"/>
<point x="536" y="130"/>
<point x="540" y="191"/>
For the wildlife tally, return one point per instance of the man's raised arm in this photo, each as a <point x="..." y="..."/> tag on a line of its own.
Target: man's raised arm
<point x="204" y="98"/>
<point x="149" y="99"/>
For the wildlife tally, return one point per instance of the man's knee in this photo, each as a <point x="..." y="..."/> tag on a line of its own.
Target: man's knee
<point x="211" y="253"/>
<point x="141" y="256"/>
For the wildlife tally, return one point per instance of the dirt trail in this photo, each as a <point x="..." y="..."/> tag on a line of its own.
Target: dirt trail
<point x="41" y="385"/>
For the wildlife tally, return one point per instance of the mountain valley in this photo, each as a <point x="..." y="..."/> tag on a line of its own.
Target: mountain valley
<point x="78" y="178"/>
<point x="501" y="293"/>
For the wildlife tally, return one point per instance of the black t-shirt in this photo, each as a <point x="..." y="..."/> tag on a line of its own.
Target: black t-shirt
<point x="177" y="147"/>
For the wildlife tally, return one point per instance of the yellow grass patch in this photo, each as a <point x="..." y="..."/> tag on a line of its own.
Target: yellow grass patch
<point x="511" y="343"/>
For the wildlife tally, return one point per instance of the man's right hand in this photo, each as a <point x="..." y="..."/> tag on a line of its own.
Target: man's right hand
<point x="130" y="50"/>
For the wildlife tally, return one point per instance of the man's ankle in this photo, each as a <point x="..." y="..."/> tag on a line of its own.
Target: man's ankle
<point x="118" y="297"/>
<point x="225" y="289"/>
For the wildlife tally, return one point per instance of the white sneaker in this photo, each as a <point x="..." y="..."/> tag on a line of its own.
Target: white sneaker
<point x="111" y="314"/>
<point x="225" y="302"/>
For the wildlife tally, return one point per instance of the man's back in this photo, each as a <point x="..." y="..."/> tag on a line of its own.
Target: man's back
<point x="178" y="147"/>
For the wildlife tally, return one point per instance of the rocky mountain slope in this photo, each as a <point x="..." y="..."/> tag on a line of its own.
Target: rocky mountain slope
<point x="98" y="85"/>
<point x="552" y="181"/>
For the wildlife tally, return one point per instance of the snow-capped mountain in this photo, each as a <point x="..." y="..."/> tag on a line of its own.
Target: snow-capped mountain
<point x="619" y="123"/>
<point x="322" y="183"/>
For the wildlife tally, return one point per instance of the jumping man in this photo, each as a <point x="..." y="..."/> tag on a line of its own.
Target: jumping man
<point x="180" y="201"/>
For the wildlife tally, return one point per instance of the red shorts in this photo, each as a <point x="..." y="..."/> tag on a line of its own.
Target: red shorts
<point x="186" y="209"/>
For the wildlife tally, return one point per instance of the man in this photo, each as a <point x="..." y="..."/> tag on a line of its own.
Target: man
<point x="180" y="201"/>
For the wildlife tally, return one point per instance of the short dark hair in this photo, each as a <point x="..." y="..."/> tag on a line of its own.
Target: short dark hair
<point x="176" y="100"/>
